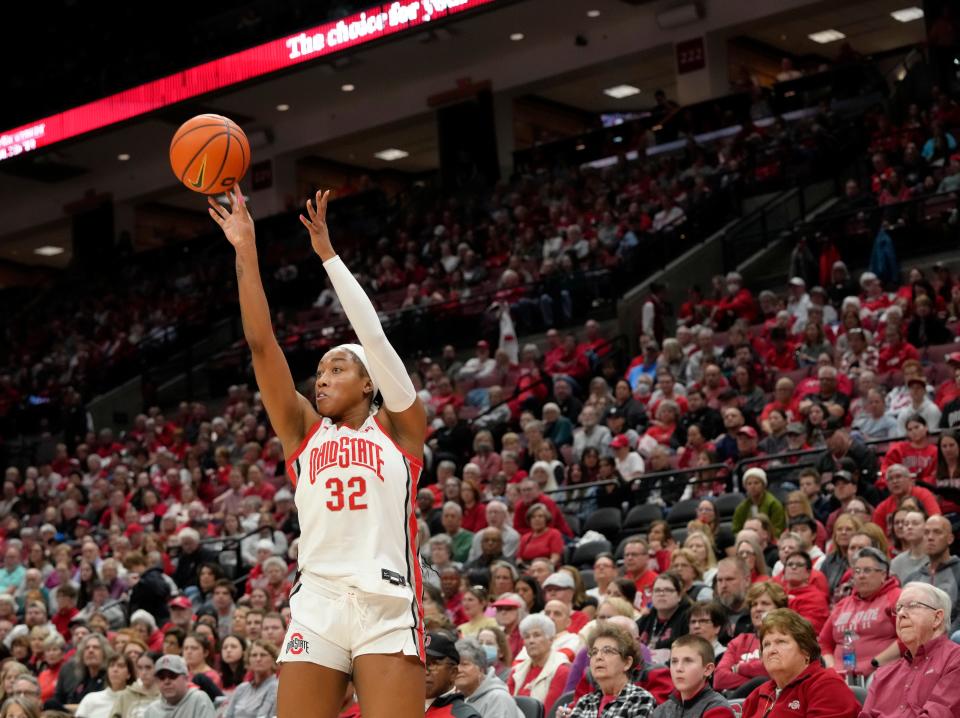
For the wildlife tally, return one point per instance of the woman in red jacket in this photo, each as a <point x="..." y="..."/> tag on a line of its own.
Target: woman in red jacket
<point x="741" y="661"/>
<point x="799" y="685"/>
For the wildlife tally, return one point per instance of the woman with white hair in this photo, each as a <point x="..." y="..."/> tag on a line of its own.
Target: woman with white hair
<point x="542" y="473"/>
<point x="543" y="674"/>
<point x="277" y="587"/>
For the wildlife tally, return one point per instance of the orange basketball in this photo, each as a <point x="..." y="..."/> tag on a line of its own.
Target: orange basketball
<point x="209" y="154"/>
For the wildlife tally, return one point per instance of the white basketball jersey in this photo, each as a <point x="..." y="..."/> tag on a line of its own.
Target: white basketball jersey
<point x="355" y="494"/>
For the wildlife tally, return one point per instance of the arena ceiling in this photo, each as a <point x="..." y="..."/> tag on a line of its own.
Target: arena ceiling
<point x="867" y="25"/>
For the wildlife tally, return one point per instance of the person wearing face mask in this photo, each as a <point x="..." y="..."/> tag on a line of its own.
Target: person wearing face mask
<point x="497" y="649"/>
<point x="480" y="686"/>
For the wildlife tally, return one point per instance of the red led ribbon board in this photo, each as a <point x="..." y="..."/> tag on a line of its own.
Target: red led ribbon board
<point x="373" y="24"/>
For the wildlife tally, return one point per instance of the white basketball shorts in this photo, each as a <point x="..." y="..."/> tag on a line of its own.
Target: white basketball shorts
<point x="332" y="623"/>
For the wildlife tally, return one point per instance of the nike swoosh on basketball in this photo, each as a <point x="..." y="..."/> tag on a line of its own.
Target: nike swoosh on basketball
<point x="203" y="169"/>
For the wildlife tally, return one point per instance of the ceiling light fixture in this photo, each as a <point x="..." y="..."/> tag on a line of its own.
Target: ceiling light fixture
<point x="48" y="251"/>
<point x="618" y="92"/>
<point x="593" y="13"/>
<point x="123" y="157"/>
<point x="348" y="87"/>
<point x="517" y="36"/>
<point x="907" y="14"/>
<point x="825" y="36"/>
<point x="391" y="154"/>
<point x="283" y="107"/>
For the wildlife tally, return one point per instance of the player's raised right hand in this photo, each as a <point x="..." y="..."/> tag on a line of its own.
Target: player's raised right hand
<point x="237" y="224"/>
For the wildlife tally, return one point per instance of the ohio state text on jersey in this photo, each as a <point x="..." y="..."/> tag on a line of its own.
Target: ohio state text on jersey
<point x="355" y="494"/>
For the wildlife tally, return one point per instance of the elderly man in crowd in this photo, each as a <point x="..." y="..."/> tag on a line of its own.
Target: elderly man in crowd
<point x="443" y="668"/>
<point x="452" y="525"/>
<point x="491" y="549"/>
<point x="497" y="515"/>
<point x="925" y="681"/>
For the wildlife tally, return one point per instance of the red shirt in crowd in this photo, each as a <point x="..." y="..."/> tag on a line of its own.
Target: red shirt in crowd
<point x="892" y="356"/>
<point x="886" y="508"/>
<point x="542" y="546"/>
<point x="920" y="460"/>
<point x="558" y="521"/>
<point x="475" y="518"/>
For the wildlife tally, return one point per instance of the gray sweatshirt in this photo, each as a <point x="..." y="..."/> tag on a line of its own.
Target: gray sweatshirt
<point x="195" y="704"/>
<point x="493" y="700"/>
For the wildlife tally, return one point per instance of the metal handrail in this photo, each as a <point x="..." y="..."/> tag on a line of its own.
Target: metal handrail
<point x="874" y="214"/>
<point x="735" y="469"/>
<point x="607" y="344"/>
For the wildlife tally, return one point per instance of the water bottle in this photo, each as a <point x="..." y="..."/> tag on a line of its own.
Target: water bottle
<point x="849" y="654"/>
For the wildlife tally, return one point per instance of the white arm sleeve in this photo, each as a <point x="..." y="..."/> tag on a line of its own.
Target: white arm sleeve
<point x="389" y="373"/>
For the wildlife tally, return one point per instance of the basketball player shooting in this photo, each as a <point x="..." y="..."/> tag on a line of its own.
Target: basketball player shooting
<point x="356" y="610"/>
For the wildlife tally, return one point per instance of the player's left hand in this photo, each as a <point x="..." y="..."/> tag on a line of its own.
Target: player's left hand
<point x="317" y="225"/>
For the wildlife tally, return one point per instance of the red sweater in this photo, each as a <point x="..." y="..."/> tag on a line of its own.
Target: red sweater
<point x="559" y="522"/>
<point x="892" y="356"/>
<point x="886" y="508"/>
<point x="475" y="519"/>
<point x="922" y="462"/>
<point x="817" y="692"/>
<point x="810" y="603"/>
<point x="743" y="651"/>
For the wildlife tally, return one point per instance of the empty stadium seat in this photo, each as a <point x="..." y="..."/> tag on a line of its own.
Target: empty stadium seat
<point x="726" y="504"/>
<point x="639" y="518"/>
<point x="683" y="512"/>
<point x="530" y="707"/>
<point x="585" y="554"/>
<point x="606" y="521"/>
<point x="573" y="521"/>
<point x="588" y="578"/>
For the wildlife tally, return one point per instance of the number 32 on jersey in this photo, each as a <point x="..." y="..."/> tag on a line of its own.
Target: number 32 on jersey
<point x="349" y="496"/>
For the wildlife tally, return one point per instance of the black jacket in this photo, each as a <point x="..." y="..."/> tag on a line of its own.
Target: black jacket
<point x="71" y="687"/>
<point x="188" y="564"/>
<point x="451" y="705"/>
<point x="151" y="593"/>
<point x="657" y="636"/>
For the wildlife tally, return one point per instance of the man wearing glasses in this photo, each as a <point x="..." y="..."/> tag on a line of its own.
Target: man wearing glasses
<point x="443" y="664"/>
<point x="177" y="699"/>
<point x="926" y="679"/>
<point x="26" y="686"/>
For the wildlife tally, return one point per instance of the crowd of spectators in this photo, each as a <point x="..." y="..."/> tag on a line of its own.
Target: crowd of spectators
<point x="178" y="538"/>
<point x="147" y="572"/>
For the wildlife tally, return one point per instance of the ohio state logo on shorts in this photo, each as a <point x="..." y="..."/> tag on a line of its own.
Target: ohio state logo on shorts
<point x="297" y="645"/>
